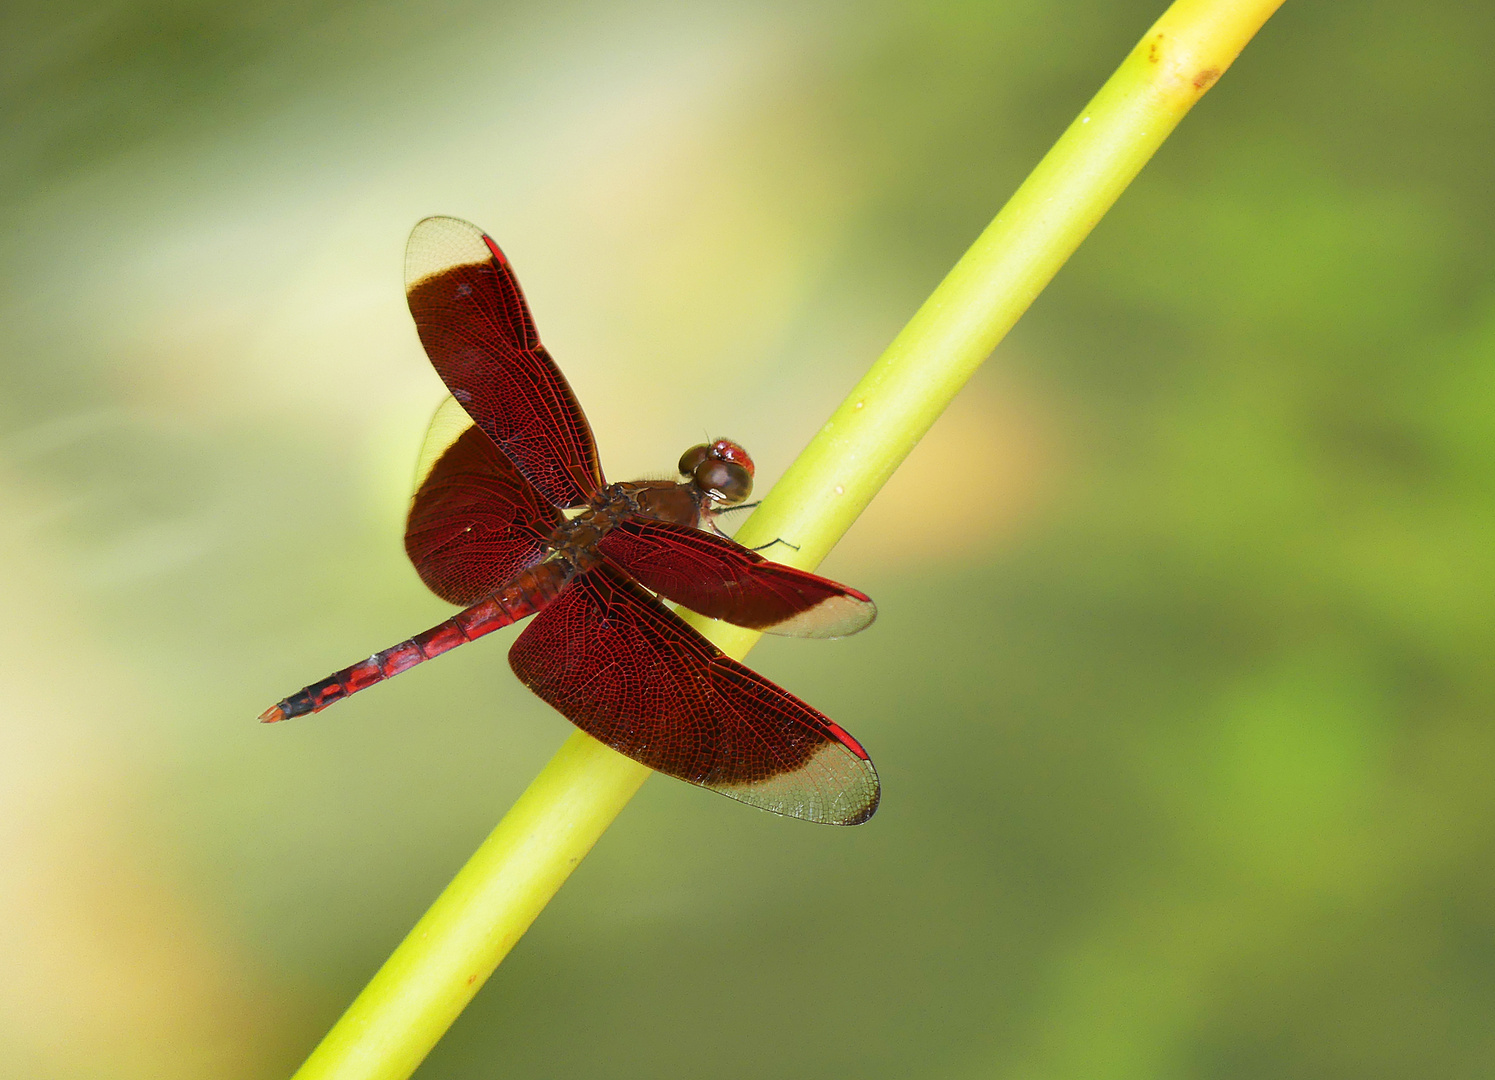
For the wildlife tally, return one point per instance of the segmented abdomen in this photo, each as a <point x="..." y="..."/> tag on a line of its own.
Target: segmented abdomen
<point x="523" y="595"/>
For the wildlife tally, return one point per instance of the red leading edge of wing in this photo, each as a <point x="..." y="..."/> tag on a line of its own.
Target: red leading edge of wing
<point x="721" y="579"/>
<point x="627" y="671"/>
<point x="475" y="522"/>
<point x="480" y="336"/>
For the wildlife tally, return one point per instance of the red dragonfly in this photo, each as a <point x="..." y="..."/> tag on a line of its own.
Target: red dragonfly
<point x="488" y="530"/>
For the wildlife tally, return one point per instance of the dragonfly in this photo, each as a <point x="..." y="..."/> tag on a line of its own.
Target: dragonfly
<point x="512" y="517"/>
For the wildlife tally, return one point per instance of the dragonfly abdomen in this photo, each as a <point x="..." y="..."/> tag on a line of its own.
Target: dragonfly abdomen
<point x="521" y="596"/>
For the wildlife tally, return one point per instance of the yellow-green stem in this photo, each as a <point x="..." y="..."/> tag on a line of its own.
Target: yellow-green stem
<point x="425" y="984"/>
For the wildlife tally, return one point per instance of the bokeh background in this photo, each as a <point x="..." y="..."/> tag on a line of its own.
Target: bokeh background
<point x="1182" y="687"/>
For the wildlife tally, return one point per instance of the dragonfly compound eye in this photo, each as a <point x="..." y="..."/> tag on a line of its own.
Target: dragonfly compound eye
<point x="724" y="481"/>
<point x="692" y="458"/>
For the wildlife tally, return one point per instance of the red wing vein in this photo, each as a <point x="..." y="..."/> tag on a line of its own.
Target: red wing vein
<point x="475" y="522"/>
<point x="623" y="668"/>
<point x="719" y="578"/>
<point x="480" y="335"/>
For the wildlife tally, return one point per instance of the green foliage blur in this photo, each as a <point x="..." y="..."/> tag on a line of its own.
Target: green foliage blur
<point x="1181" y="690"/>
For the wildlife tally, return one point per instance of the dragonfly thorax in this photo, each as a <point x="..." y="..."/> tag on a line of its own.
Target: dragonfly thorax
<point x="662" y="500"/>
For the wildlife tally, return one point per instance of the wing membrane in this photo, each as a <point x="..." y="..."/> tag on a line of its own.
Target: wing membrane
<point x="724" y="580"/>
<point x="626" y="670"/>
<point x="480" y="336"/>
<point x="475" y="522"/>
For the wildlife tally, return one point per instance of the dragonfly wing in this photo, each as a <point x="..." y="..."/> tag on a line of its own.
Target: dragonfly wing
<point x="722" y="579"/>
<point x="630" y="673"/>
<point x="475" y="522"/>
<point x="480" y="336"/>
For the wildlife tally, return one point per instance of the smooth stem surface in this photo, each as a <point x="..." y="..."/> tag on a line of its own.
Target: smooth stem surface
<point x="1005" y="269"/>
<point x="429" y="979"/>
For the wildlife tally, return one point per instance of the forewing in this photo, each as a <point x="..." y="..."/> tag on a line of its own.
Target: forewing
<point x="478" y="332"/>
<point x="475" y="522"/>
<point x="628" y="672"/>
<point x="724" y="580"/>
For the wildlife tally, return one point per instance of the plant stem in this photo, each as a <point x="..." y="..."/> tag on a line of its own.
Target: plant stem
<point x="488" y="906"/>
<point x="429" y="979"/>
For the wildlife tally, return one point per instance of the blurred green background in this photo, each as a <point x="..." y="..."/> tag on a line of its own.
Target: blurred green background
<point x="1181" y="690"/>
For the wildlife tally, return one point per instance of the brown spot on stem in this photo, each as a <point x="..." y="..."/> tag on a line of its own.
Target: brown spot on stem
<point x="1206" y="78"/>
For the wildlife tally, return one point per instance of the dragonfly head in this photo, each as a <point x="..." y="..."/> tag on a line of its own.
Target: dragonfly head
<point x="721" y="470"/>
